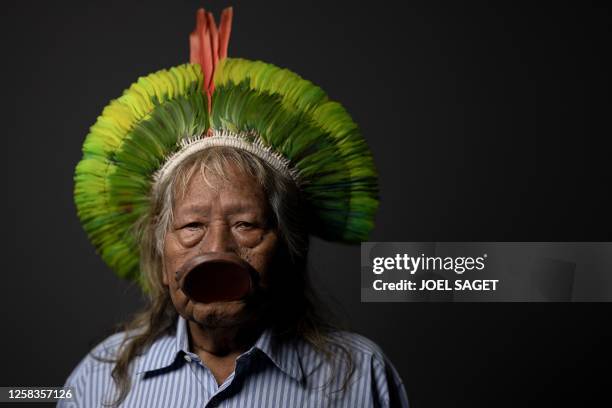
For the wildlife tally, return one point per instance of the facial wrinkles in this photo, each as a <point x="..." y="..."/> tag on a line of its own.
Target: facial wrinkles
<point x="230" y="217"/>
<point x="223" y="226"/>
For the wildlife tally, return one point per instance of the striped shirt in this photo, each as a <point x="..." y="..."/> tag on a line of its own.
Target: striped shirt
<point x="269" y="374"/>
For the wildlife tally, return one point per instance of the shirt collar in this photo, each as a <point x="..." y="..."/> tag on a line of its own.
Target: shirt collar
<point x="284" y="355"/>
<point x="168" y="352"/>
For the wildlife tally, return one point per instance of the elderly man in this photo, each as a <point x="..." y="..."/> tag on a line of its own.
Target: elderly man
<point x="203" y="183"/>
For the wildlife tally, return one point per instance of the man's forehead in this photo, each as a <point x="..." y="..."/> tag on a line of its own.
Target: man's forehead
<point x="228" y="205"/>
<point x="228" y="176"/>
<point x="236" y="193"/>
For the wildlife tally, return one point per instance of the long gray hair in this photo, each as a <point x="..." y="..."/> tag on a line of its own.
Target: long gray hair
<point x="300" y="315"/>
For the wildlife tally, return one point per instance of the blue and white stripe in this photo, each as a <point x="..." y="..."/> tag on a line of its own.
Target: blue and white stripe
<point x="270" y="374"/>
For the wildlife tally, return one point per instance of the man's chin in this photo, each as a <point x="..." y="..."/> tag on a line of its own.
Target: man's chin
<point x="219" y="315"/>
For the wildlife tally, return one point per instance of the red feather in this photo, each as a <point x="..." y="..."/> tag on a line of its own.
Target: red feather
<point x="208" y="45"/>
<point x="225" y="30"/>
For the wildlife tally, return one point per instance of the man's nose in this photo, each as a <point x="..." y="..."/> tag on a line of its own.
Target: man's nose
<point x="219" y="238"/>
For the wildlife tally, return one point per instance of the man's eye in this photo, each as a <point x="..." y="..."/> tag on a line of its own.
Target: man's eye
<point x="193" y="226"/>
<point x="244" y="225"/>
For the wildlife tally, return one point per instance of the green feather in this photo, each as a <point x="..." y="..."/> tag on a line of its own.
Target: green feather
<point x="125" y="145"/>
<point x="139" y="130"/>
<point x="330" y="153"/>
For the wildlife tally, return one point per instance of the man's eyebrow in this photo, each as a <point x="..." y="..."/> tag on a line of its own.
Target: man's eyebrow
<point x="241" y="210"/>
<point x="234" y="206"/>
<point x="242" y="204"/>
<point x="194" y="208"/>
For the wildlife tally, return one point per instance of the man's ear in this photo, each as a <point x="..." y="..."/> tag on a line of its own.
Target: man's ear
<point x="165" y="278"/>
<point x="154" y="221"/>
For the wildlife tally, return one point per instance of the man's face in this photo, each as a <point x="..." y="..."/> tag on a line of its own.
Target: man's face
<point x="229" y="216"/>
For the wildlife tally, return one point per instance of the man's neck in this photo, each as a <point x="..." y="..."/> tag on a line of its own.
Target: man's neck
<point x="218" y="348"/>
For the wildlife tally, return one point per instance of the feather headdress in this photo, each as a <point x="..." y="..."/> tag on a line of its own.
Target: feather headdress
<point x="164" y="117"/>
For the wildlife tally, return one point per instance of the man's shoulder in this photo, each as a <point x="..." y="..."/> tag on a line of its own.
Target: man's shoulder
<point x="342" y="344"/>
<point x="101" y="357"/>
<point x="110" y="346"/>
<point x="357" y="363"/>
<point x="355" y="343"/>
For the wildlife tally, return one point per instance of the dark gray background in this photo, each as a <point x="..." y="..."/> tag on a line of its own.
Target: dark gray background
<point x="487" y="123"/>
